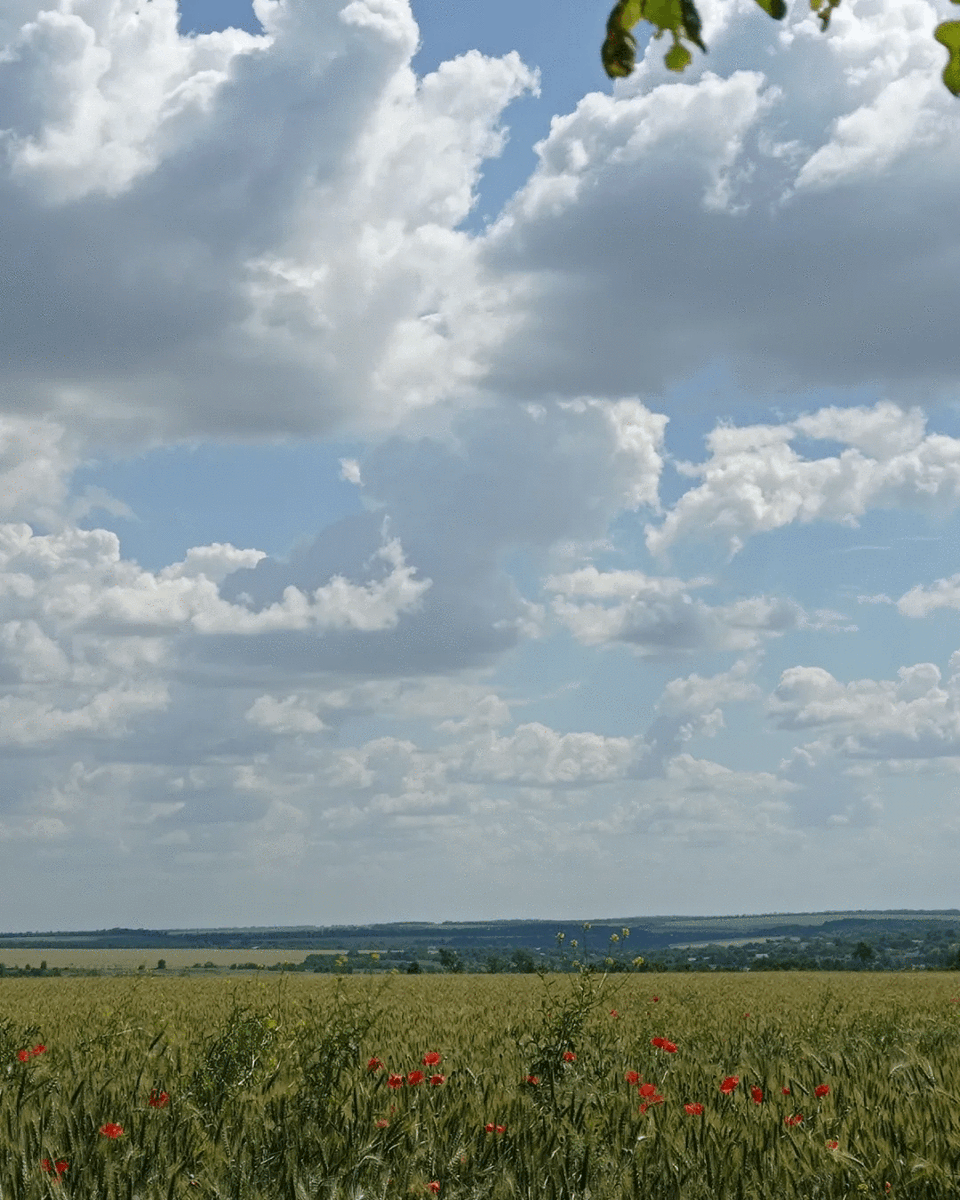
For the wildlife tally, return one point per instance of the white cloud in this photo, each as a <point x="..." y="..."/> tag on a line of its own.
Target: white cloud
<point x="658" y="616"/>
<point x="755" y="481"/>
<point x="921" y="602"/>
<point x="257" y="217"/>
<point x="289" y="715"/>
<point x="911" y="717"/>
<point x="737" y="199"/>
<point x="36" y="459"/>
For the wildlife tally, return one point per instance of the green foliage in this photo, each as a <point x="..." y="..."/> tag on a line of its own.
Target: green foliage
<point x="948" y="35"/>
<point x="681" y="19"/>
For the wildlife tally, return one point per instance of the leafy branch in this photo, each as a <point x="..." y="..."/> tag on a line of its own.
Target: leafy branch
<point x="681" y="20"/>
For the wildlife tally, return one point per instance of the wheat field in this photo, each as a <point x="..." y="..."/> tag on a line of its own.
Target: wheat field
<point x="556" y="1087"/>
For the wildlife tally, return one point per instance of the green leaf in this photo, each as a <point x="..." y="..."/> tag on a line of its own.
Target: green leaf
<point x="664" y="14"/>
<point x="633" y="12"/>
<point x="677" y="57"/>
<point x="619" y="50"/>
<point x="692" y="25"/>
<point x="948" y="35"/>
<point x="774" y="8"/>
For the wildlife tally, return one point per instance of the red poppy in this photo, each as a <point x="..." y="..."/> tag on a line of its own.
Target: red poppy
<point x="614" y="1013"/>
<point x="501" y="1129"/>
<point x="436" y="1080"/>
<point x="729" y="1084"/>
<point x="395" y="1081"/>
<point x="794" y="1120"/>
<point x="632" y="1077"/>
<point x="23" y="1055"/>
<point x="488" y="1128"/>
<point x="695" y="1110"/>
<point x="668" y="1047"/>
<point x="756" y="1095"/>
<point x="533" y="1080"/>
<point x="821" y="1090"/>
<point x="41" y="1049"/>
<point x="647" y="1089"/>
<point x="431" y="1059"/>
<point x="654" y="1099"/>
<point x="657" y="1041"/>
<point x="158" y="1099"/>
<point x="433" y="1187"/>
<point x="382" y="1123"/>
<point x="654" y="999"/>
<point x="374" y="1064"/>
<point x="569" y="1056"/>
<point x="55" y="1168"/>
<point x="832" y="1145"/>
<point x="415" y="1077"/>
<point x="111" y="1130"/>
<point x="785" y="1091"/>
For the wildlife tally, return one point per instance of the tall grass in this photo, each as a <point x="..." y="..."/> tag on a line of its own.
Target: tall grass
<point x="243" y="1090"/>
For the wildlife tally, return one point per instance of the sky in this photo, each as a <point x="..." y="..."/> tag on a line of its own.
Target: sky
<point x="440" y="483"/>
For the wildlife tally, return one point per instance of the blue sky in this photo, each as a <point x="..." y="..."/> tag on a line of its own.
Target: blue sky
<point x="436" y="482"/>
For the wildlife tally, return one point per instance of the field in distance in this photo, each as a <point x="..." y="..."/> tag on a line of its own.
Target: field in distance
<point x="131" y="960"/>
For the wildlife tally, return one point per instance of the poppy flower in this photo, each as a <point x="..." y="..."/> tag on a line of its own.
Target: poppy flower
<point x="436" y="1080"/>
<point x="23" y="1055"/>
<point x="648" y="1089"/>
<point x="41" y="1049"/>
<point x="654" y="999"/>
<point x="431" y="1059"/>
<point x="433" y="1187"/>
<point x="158" y="1099"/>
<point x="569" y="1056"/>
<point x="395" y="1081"/>
<point x="785" y="1091"/>
<point x="821" y="1090"/>
<point x="382" y="1123"/>
<point x="657" y="1041"/>
<point x="55" y="1168"/>
<point x="632" y="1077"/>
<point x="794" y="1120"/>
<point x="614" y="1013"/>
<point x="415" y="1077"/>
<point x="729" y="1084"/>
<point x="832" y="1145"/>
<point x="756" y="1094"/>
<point x="501" y="1129"/>
<point x="488" y="1128"/>
<point x="533" y="1080"/>
<point x="654" y="1099"/>
<point x="695" y="1110"/>
<point x="111" y="1130"/>
<point x="374" y="1064"/>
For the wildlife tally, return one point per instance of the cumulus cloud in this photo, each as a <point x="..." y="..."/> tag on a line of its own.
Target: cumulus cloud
<point x="755" y="481"/>
<point x="780" y="124"/>
<point x="915" y="716"/>
<point x="89" y="641"/>
<point x="658" y="617"/>
<point x="496" y="482"/>
<point x="268" y="223"/>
